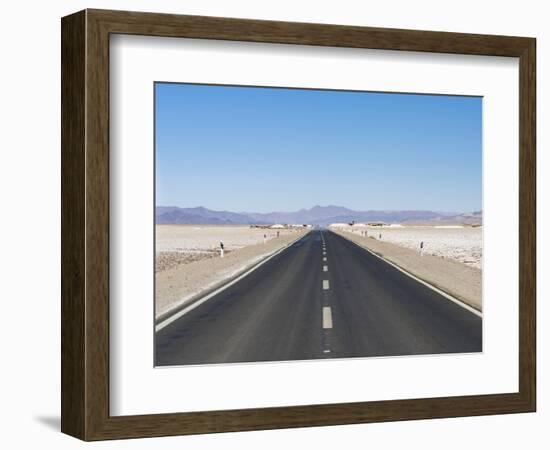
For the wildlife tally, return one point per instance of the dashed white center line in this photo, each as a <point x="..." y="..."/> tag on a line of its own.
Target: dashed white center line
<point x="325" y="285"/>
<point x="327" y="317"/>
<point x="324" y="258"/>
<point x="325" y="268"/>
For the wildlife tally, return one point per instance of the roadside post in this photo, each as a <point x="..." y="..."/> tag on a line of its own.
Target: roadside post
<point x="421" y="248"/>
<point x="221" y="249"/>
<point x="264" y="238"/>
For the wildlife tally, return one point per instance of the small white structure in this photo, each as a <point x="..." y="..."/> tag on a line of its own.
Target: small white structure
<point x="339" y="225"/>
<point x="277" y="226"/>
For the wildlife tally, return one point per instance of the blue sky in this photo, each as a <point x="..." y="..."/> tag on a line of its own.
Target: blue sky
<point x="267" y="149"/>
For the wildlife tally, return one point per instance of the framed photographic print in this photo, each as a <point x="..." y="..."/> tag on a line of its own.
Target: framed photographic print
<point x="272" y="224"/>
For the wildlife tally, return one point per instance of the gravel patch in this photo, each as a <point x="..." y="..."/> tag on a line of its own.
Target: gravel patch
<point x="170" y="259"/>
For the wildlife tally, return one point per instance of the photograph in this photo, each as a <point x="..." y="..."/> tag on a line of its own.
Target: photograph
<point x="298" y="224"/>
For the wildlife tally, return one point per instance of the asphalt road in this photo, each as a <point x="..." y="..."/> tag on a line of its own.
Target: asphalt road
<point x="300" y="306"/>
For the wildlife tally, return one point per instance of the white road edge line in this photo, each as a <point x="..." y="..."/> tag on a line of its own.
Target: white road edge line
<point x="327" y="317"/>
<point x="425" y="283"/>
<point x="200" y="301"/>
<point x="325" y="285"/>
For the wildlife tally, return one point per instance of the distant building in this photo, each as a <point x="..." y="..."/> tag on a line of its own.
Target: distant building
<point x="277" y="226"/>
<point x="377" y="224"/>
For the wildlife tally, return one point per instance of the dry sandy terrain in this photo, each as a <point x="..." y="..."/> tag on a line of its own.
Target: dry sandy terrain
<point x="182" y="244"/>
<point x="189" y="263"/>
<point x="459" y="244"/>
<point x="459" y="279"/>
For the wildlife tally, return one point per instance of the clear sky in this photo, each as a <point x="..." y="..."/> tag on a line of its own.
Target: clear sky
<point x="267" y="149"/>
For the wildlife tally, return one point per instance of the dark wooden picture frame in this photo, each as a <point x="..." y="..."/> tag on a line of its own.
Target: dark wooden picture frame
<point x="85" y="224"/>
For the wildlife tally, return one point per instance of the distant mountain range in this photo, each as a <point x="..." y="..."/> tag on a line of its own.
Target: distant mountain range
<point x="318" y="215"/>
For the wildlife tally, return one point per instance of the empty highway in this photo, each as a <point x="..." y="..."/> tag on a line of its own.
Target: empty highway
<point x="322" y="297"/>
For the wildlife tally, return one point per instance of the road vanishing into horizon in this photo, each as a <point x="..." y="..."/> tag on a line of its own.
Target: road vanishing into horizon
<point x="322" y="297"/>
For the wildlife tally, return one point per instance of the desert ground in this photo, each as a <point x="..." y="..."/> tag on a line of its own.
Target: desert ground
<point x="457" y="243"/>
<point x="183" y="244"/>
